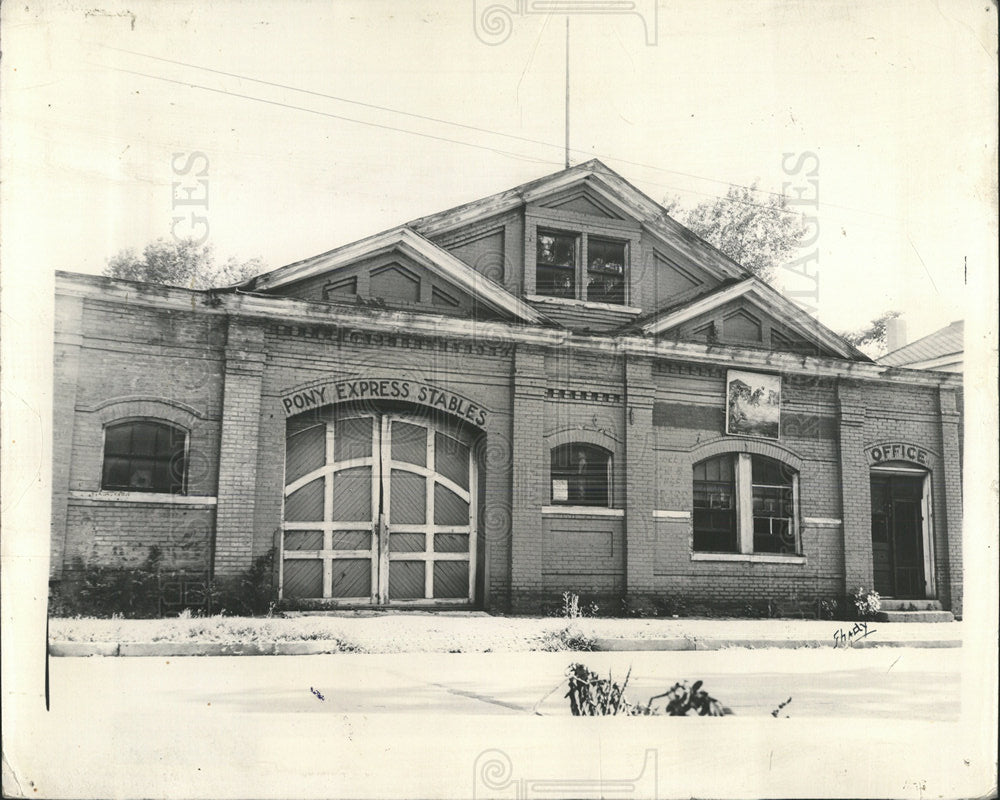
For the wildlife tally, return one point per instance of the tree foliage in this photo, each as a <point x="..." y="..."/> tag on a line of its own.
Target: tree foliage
<point x="181" y="262"/>
<point x="871" y="339"/>
<point x="760" y="233"/>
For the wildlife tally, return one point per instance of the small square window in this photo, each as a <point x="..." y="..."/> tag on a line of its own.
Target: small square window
<point x="144" y="456"/>
<point x="581" y="475"/>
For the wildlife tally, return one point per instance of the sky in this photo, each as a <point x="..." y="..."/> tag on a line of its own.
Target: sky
<point x="321" y="123"/>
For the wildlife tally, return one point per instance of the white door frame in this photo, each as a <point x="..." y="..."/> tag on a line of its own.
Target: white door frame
<point x="927" y="524"/>
<point x="378" y="553"/>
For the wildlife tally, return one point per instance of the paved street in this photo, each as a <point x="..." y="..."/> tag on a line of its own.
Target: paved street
<point x="899" y="683"/>
<point x="882" y="722"/>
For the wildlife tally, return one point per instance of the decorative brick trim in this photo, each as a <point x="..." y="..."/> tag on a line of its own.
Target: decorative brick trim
<point x="145" y="406"/>
<point x="663" y="514"/>
<point x="590" y="397"/>
<point x="601" y="438"/>
<point x="735" y="445"/>
<point x="822" y="522"/>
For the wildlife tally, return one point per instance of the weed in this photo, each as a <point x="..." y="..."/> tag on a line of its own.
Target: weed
<point x="590" y="695"/>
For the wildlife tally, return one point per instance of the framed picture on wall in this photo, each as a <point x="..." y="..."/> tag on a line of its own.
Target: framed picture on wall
<point x="753" y="404"/>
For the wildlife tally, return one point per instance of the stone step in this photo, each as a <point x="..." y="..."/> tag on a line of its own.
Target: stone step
<point x="910" y="605"/>
<point x="915" y="616"/>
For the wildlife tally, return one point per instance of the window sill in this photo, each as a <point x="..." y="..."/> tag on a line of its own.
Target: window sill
<point x="565" y="301"/>
<point x="582" y="511"/>
<point x="162" y="498"/>
<point x="754" y="558"/>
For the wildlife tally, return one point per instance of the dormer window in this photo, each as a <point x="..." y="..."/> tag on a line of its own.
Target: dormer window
<point x="576" y="266"/>
<point x="606" y="261"/>
<point x="556" y="263"/>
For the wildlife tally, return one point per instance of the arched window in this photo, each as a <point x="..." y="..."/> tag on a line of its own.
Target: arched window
<point x="144" y="456"/>
<point x="745" y="503"/>
<point x="581" y="475"/>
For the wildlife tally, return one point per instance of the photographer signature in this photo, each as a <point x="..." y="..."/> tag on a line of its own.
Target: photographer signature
<point x="855" y="634"/>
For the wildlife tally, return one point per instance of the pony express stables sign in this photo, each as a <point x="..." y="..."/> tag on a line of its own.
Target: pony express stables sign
<point x="368" y="389"/>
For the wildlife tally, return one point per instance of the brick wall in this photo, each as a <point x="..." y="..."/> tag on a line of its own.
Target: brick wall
<point x="223" y="383"/>
<point x="107" y="533"/>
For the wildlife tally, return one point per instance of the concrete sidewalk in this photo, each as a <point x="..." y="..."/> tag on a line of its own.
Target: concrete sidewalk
<point x="407" y="632"/>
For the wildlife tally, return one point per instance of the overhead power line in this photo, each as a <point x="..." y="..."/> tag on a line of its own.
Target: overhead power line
<point x="461" y="125"/>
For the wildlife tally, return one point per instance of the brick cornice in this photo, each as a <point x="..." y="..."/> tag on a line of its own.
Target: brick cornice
<point x="250" y="307"/>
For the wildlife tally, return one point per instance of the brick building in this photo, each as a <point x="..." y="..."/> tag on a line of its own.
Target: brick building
<point x="555" y="388"/>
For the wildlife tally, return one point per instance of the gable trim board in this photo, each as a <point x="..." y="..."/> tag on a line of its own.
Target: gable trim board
<point x="766" y="299"/>
<point x="613" y="189"/>
<point x="419" y="249"/>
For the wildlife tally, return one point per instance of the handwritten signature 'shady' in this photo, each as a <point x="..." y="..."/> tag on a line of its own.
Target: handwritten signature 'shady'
<point x="316" y="692"/>
<point x="858" y="632"/>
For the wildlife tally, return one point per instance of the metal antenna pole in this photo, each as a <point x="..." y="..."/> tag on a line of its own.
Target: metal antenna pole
<point x="567" y="92"/>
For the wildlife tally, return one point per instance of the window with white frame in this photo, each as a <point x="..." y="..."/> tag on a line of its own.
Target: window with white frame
<point x="576" y="266"/>
<point x="581" y="475"/>
<point x="144" y="455"/>
<point x="745" y="503"/>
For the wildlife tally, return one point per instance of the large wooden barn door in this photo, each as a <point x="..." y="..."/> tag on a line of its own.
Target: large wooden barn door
<point x="380" y="510"/>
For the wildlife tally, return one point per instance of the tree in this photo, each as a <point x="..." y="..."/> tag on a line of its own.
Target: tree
<point x="759" y="234"/>
<point x="181" y="262"/>
<point x="871" y="340"/>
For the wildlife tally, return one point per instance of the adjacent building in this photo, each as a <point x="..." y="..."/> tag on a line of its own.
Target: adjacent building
<point x="554" y="388"/>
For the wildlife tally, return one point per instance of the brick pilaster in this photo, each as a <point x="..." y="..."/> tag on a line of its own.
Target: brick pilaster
<point x="640" y="477"/>
<point x="950" y="590"/>
<point x="234" y="520"/>
<point x="66" y="370"/>
<point x="855" y="487"/>
<point x="530" y="485"/>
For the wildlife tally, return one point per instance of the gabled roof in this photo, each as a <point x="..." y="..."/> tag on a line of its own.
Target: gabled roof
<point x="422" y="251"/>
<point x="613" y="188"/>
<point x="934" y="347"/>
<point x="767" y="299"/>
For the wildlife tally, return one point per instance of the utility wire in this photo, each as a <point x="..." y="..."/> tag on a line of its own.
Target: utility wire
<point x="464" y="126"/>
<point x="334" y="116"/>
<point x="427" y="118"/>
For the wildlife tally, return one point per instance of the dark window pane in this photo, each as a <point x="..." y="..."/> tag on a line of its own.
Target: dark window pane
<point x="772" y="506"/>
<point x="144" y="439"/>
<point x="555" y="264"/>
<point x="116" y="440"/>
<point x="581" y="475"/>
<point x="144" y="456"/>
<point x="714" y="495"/>
<point x="556" y="249"/>
<point x="556" y="282"/>
<point x="606" y="262"/>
